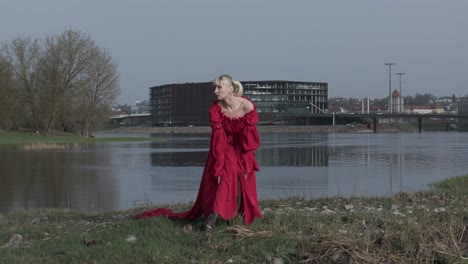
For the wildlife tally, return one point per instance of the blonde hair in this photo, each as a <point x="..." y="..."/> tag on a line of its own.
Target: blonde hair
<point x="226" y="79"/>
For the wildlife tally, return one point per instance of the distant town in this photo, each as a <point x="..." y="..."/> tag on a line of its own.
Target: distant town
<point x="140" y="112"/>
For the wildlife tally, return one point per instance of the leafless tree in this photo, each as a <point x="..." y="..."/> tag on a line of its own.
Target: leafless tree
<point x="10" y="109"/>
<point x="100" y="89"/>
<point x="63" y="68"/>
<point x="23" y="55"/>
<point x="64" y="81"/>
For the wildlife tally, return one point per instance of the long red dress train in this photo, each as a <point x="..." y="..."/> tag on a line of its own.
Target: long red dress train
<point x="231" y="155"/>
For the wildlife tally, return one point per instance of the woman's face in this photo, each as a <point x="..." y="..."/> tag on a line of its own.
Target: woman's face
<point x="223" y="91"/>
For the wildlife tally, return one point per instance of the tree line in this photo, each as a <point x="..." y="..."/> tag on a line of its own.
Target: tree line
<point x="63" y="82"/>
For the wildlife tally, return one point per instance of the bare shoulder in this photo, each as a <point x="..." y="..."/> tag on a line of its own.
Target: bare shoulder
<point x="247" y="105"/>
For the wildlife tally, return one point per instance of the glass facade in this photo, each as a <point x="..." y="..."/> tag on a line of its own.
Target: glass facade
<point x="189" y="103"/>
<point x="287" y="96"/>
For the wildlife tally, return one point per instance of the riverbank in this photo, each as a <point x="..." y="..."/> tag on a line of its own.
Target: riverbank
<point x="421" y="227"/>
<point x="39" y="141"/>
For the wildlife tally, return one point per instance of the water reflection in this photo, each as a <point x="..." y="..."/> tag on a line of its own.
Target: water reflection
<point x="116" y="175"/>
<point x="300" y="152"/>
<point x="309" y="150"/>
<point x="55" y="178"/>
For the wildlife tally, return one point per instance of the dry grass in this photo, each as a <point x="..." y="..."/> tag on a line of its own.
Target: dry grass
<point x="422" y="227"/>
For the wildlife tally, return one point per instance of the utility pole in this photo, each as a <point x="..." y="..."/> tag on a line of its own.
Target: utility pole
<point x="401" y="96"/>
<point x="390" y="106"/>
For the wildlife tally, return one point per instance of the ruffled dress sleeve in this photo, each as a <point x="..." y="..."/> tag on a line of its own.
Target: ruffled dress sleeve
<point x="250" y="142"/>
<point x="218" y="139"/>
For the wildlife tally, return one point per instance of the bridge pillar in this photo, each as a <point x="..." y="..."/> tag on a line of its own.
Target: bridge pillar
<point x="419" y="124"/>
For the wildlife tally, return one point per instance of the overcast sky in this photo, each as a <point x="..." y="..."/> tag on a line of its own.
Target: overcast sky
<point x="342" y="42"/>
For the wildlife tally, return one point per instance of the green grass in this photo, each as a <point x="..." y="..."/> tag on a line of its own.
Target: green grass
<point x="31" y="138"/>
<point x="421" y="227"/>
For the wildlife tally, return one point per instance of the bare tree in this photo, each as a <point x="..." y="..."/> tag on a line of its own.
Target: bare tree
<point x="23" y="56"/>
<point x="100" y="89"/>
<point x="63" y="68"/>
<point x="4" y="80"/>
<point x="64" y="81"/>
<point x="10" y="108"/>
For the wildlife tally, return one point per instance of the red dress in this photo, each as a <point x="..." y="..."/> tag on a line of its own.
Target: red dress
<point x="231" y="155"/>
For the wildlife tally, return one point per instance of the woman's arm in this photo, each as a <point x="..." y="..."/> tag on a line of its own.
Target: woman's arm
<point x="218" y="140"/>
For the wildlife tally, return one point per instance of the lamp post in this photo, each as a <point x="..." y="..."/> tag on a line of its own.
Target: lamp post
<point x="401" y="96"/>
<point x="390" y="106"/>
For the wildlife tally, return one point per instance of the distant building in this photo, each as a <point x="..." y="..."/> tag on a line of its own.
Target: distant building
<point x="398" y="102"/>
<point x="424" y="109"/>
<point x="189" y="103"/>
<point x="444" y="100"/>
<point x="463" y="105"/>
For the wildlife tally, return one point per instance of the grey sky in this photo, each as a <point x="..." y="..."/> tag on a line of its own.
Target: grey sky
<point x="342" y="42"/>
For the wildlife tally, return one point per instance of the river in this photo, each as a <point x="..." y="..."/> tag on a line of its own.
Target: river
<point x="121" y="175"/>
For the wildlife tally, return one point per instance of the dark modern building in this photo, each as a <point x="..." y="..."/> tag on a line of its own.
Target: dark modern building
<point x="463" y="105"/>
<point x="189" y="103"/>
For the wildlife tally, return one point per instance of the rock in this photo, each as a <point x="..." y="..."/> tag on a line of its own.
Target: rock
<point x="440" y="210"/>
<point x="15" y="240"/>
<point x="327" y="211"/>
<point x="42" y="218"/>
<point x="187" y="228"/>
<point x="229" y="261"/>
<point x="394" y="207"/>
<point x="131" y="239"/>
<point x="398" y="213"/>
<point x="277" y="261"/>
<point x="349" y="206"/>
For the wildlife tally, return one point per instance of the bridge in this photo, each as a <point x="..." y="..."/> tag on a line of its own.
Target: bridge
<point x="140" y="118"/>
<point x="375" y="117"/>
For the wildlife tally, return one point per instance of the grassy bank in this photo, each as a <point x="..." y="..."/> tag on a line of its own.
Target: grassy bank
<point x="32" y="138"/>
<point x="422" y="227"/>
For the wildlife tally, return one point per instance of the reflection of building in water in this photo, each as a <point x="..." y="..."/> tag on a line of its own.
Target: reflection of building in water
<point x="180" y="153"/>
<point x="313" y="156"/>
<point x="179" y="159"/>
<point x="298" y="150"/>
<point x="299" y="156"/>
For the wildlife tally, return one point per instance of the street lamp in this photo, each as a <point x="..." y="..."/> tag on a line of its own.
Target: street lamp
<point x="399" y="75"/>
<point x="390" y="107"/>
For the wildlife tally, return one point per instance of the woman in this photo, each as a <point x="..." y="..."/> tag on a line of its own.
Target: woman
<point x="228" y="185"/>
